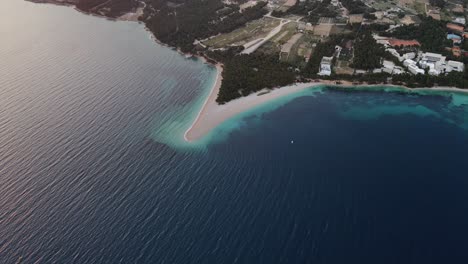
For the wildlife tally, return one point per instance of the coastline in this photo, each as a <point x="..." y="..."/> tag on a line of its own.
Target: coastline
<point x="131" y="16"/>
<point x="212" y="114"/>
<point x="193" y="132"/>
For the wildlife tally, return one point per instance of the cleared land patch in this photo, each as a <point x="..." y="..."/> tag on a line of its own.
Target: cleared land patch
<point x="253" y="30"/>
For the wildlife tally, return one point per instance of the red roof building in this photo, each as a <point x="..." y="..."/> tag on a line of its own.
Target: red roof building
<point x="404" y="43"/>
<point x="456" y="51"/>
<point x="455" y="28"/>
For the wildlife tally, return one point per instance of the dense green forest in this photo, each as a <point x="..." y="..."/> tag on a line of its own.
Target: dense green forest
<point x="248" y="73"/>
<point x="439" y="3"/>
<point x="430" y="33"/>
<point x="452" y="79"/>
<point x="368" y="53"/>
<point x="111" y="8"/>
<point x="303" y="8"/>
<point x="356" y="7"/>
<point x="312" y="10"/>
<point x="179" y="24"/>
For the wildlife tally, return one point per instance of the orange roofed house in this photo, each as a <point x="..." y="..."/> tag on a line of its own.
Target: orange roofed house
<point x="455" y="28"/>
<point x="403" y="43"/>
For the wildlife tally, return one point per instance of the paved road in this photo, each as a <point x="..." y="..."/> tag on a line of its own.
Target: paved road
<point x="254" y="45"/>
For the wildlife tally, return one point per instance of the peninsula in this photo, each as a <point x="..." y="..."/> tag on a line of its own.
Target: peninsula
<point x="261" y="45"/>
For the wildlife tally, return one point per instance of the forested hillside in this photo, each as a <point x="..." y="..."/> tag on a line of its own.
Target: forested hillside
<point x="430" y="33"/>
<point x="367" y="53"/>
<point x="111" y="8"/>
<point x="180" y="23"/>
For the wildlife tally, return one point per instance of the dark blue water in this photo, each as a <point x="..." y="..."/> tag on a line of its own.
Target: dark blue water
<point x="88" y="174"/>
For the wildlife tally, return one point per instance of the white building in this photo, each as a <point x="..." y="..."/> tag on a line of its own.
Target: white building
<point x="454" y="66"/>
<point x="415" y="69"/>
<point x="388" y="66"/>
<point x="409" y="62"/>
<point x="409" y="56"/>
<point x="325" y="66"/>
<point x="460" y="20"/>
<point x="437" y="60"/>
<point x="434" y="57"/>
<point x="395" y="53"/>
<point x="433" y="71"/>
<point x="398" y="70"/>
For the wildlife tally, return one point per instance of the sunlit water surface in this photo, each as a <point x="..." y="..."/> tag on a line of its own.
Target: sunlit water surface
<point x="93" y="167"/>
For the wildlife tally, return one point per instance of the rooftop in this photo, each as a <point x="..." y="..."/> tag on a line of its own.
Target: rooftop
<point x="402" y="42"/>
<point x="326" y="60"/>
<point x="455" y="27"/>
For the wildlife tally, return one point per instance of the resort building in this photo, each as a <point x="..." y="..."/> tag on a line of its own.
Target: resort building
<point x="409" y="62"/>
<point x="454" y="66"/>
<point x="398" y="70"/>
<point x="437" y="60"/>
<point x="388" y="66"/>
<point x="432" y="71"/>
<point x="325" y="66"/>
<point x="415" y="69"/>
<point x="395" y="53"/>
<point x="409" y="56"/>
<point x="433" y="57"/>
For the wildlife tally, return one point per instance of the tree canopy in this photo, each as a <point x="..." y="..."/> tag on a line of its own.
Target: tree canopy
<point x="368" y="53"/>
<point x="180" y="24"/>
<point x="248" y="73"/>
<point x="430" y="33"/>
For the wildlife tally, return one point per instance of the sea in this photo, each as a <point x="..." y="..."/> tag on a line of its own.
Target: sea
<point x="94" y="168"/>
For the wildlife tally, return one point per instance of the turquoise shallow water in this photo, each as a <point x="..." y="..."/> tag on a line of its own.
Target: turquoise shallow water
<point x="93" y="168"/>
<point x="362" y="110"/>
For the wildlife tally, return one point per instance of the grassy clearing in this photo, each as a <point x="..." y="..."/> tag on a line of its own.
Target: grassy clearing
<point x="383" y="5"/>
<point x="253" y="30"/>
<point x="301" y="48"/>
<point x="419" y="7"/>
<point x="286" y="33"/>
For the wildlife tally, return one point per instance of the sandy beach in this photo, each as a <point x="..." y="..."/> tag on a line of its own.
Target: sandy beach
<point x="212" y="114"/>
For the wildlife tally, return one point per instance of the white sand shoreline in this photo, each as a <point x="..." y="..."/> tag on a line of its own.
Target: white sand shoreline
<point x="212" y="114"/>
<point x="208" y="104"/>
